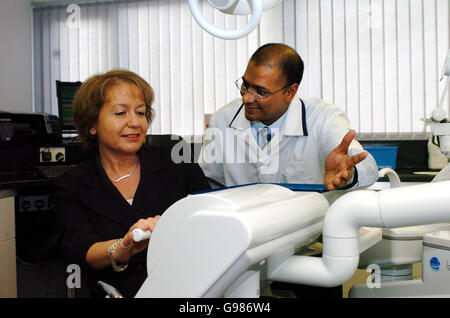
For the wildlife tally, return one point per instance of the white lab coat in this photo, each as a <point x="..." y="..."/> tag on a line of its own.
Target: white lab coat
<point x="296" y="154"/>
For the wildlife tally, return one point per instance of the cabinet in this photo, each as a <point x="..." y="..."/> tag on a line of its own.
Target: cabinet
<point x="8" y="275"/>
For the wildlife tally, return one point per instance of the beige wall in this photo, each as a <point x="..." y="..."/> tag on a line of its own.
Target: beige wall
<point x="8" y="285"/>
<point x="15" y="56"/>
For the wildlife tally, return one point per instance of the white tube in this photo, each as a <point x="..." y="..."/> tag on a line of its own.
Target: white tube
<point x="139" y="235"/>
<point x="110" y="290"/>
<point x="326" y="271"/>
<point x="416" y="205"/>
<point x="351" y="211"/>
<point x="393" y="177"/>
<point x="257" y="8"/>
<point x="398" y="207"/>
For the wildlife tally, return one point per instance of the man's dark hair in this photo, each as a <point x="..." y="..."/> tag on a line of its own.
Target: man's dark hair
<point x="282" y="56"/>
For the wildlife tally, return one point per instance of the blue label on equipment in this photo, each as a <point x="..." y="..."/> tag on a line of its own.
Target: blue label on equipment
<point x="435" y="263"/>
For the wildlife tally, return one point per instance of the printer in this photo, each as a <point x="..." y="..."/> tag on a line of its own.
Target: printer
<point x="29" y="129"/>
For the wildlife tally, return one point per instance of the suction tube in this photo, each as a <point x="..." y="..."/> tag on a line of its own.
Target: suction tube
<point x="397" y="207"/>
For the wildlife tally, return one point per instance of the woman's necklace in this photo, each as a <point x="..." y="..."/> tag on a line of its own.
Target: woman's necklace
<point x="127" y="175"/>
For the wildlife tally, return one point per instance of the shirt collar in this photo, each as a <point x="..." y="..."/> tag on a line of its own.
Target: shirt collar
<point x="292" y="123"/>
<point x="276" y="126"/>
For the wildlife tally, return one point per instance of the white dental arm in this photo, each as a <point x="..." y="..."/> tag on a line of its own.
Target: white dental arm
<point x="255" y="7"/>
<point x="438" y="127"/>
<point x="217" y="236"/>
<point x="395" y="207"/>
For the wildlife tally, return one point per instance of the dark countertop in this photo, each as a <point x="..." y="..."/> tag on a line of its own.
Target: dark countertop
<point x="24" y="184"/>
<point x="413" y="175"/>
<point x="412" y="157"/>
<point x="8" y="192"/>
<point x="405" y="175"/>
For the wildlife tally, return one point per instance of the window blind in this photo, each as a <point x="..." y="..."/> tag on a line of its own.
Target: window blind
<point x="379" y="60"/>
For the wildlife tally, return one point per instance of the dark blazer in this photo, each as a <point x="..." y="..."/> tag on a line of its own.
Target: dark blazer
<point x="90" y="209"/>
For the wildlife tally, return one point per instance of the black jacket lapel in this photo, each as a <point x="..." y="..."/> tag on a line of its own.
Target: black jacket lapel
<point x="154" y="180"/>
<point x="100" y="195"/>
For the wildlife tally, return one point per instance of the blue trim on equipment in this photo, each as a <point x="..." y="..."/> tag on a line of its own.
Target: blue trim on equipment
<point x="291" y="186"/>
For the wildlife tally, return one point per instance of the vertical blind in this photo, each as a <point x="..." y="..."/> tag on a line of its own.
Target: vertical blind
<point x="379" y="60"/>
<point x="191" y="71"/>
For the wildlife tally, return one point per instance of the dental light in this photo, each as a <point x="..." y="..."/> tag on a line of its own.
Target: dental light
<point x="440" y="126"/>
<point x="238" y="7"/>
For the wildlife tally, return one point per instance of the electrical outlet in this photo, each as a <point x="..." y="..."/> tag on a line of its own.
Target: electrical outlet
<point x="52" y="154"/>
<point x="33" y="203"/>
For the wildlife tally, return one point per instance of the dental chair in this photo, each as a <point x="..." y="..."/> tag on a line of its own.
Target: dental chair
<point x="224" y="243"/>
<point x="234" y="242"/>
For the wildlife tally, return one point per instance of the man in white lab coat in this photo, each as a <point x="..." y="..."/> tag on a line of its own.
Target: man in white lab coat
<point x="271" y="135"/>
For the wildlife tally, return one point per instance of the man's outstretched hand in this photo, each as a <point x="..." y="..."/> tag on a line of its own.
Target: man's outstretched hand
<point x="339" y="167"/>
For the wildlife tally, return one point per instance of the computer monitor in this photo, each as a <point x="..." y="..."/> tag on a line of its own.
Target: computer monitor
<point x="66" y="92"/>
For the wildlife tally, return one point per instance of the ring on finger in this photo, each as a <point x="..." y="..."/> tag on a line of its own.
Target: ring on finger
<point x="123" y="246"/>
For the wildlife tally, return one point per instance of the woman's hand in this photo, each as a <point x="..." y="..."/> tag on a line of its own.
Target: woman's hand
<point x="97" y="257"/>
<point x="123" y="252"/>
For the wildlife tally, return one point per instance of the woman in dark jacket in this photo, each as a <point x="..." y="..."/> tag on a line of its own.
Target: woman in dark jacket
<point x="126" y="184"/>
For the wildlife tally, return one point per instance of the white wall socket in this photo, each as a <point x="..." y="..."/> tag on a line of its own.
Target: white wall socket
<point x="58" y="154"/>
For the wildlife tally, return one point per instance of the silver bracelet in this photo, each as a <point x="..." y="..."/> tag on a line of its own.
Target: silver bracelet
<point x="118" y="267"/>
